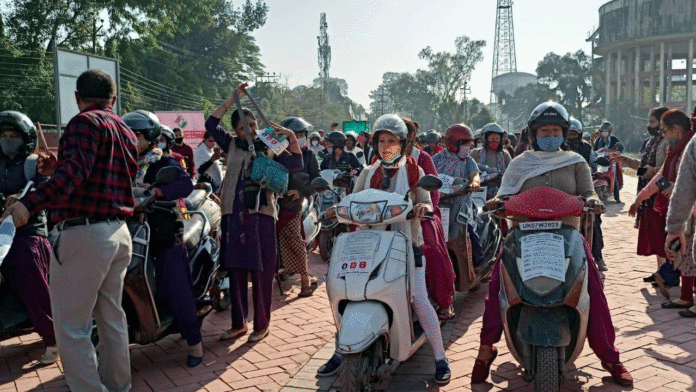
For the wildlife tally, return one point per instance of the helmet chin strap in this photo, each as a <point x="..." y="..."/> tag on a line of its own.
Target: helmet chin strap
<point x="393" y="161"/>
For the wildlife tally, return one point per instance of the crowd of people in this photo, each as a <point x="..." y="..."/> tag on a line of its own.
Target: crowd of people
<point x="86" y="193"/>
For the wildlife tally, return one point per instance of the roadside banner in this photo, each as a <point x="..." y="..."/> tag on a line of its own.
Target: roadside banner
<point x="191" y="123"/>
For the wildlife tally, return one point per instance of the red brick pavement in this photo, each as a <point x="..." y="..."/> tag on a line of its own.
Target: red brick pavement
<point x="657" y="346"/>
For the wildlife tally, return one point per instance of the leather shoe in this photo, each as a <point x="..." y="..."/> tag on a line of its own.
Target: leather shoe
<point x="619" y="373"/>
<point x="482" y="369"/>
<point x="688" y="313"/>
<point x="649" y="279"/>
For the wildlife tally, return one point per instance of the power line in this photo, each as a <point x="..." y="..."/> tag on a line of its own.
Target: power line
<point x="160" y="92"/>
<point x="162" y="86"/>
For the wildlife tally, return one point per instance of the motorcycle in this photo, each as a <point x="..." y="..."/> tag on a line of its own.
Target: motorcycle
<point x="469" y="276"/>
<point x="332" y="195"/>
<point x="544" y="276"/>
<point x="369" y="282"/>
<point x="150" y="320"/>
<point x="605" y="175"/>
<point x="14" y="318"/>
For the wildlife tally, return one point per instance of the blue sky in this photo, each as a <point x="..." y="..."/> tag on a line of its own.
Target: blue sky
<point x="369" y="38"/>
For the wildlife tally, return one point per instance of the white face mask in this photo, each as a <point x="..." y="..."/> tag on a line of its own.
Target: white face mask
<point x="302" y="142"/>
<point x="315" y="142"/>
<point x="479" y="145"/>
<point x="162" y="145"/>
<point x="329" y="149"/>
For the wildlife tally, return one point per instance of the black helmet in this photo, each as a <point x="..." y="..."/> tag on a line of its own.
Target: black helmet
<point x="168" y="135"/>
<point x="142" y="121"/>
<point x="606" y="126"/>
<point x="297" y="124"/>
<point x="19" y="122"/>
<point x="548" y="113"/>
<point x="337" y="138"/>
<point x="433" y="137"/>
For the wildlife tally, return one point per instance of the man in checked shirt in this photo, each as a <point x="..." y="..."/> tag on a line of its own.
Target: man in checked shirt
<point x="89" y="198"/>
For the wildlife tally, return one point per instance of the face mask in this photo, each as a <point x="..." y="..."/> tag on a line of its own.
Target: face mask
<point x="210" y="145"/>
<point x="315" y="142"/>
<point x="654" y="131"/>
<point x="479" y="145"/>
<point x="464" y="152"/>
<point x="329" y="150"/>
<point x="493" y="145"/>
<point x="162" y="146"/>
<point x="573" y="140"/>
<point x="551" y="143"/>
<point x="179" y="140"/>
<point x="10" y="147"/>
<point x="302" y="142"/>
<point x="605" y="133"/>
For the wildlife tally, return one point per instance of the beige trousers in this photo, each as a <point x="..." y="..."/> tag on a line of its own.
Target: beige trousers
<point x="88" y="266"/>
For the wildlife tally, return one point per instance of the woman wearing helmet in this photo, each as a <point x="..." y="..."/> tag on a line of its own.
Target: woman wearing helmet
<point x="165" y="142"/>
<point x="26" y="265"/>
<point x="433" y="139"/>
<point x="387" y="173"/>
<point x="352" y="146"/>
<point x="455" y="161"/>
<point x="291" y="242"/>
<point x="547" y="164"/>
<point x="337" y="158"/>
<point x="172" y="271"/>
<point x="315" y="144"/>
<point x="248" y="218"/>
<point x="493" y="153"/>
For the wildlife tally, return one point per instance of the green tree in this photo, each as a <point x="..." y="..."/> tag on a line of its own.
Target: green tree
<point x="569" y="77"/>
<point x="520" y="105"/>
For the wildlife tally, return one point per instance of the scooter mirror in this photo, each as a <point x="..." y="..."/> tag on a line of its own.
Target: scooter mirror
<point x="430" y="183"/>
<point x="603" y="161"/>
<point x="166" y="175"/>
<point x="320" y="185"/>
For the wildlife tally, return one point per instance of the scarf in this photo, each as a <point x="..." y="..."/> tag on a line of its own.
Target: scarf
<point x="377" y="175"/>
<point x="144" y="162"/>
<point x="670" y="169"/>
<point x="534" y="163"/>
<point x="500" y="161"/>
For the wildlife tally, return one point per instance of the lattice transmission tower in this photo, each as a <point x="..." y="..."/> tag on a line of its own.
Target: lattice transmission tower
<point x="504" y="57"/>
<point x="324" y="51"/>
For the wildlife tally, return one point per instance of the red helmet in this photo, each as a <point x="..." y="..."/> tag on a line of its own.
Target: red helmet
<point x="456" y="134"/>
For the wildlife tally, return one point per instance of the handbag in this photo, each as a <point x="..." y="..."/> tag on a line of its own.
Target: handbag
<point x="265" y="172"/>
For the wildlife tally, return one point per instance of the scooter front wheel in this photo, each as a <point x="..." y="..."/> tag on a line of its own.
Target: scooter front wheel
<point x="326" y="242"/>
<point x="547" y="377"/>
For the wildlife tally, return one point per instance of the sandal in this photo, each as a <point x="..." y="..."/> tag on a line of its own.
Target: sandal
<point x="688" y="313"/>
<point x="234" y="333"/>
<point x="661" y="285"/>
<point x="482" y="369"/>
<point x="678" y="304"/>
<point x="307" y="291"/>
<point x="258" y="335"/>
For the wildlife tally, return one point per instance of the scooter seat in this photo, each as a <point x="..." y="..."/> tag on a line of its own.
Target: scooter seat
<point x="193" y="229"/>
<point x="195" y="199"/>
<point x="544" y="203"/>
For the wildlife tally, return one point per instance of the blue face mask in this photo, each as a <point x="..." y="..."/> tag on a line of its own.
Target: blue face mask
<point x="550" y="143"/>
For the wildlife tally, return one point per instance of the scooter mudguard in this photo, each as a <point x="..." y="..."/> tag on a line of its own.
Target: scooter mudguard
<point x="547" y="327"/>
<point x="362" y="323"/>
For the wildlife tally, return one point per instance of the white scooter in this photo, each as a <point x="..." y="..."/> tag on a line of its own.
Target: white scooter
<point x="369" y="286"/>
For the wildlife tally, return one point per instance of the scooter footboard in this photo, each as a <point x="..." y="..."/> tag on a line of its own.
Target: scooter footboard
<point x="362" y="323"/>
<point x="548" y="327"/>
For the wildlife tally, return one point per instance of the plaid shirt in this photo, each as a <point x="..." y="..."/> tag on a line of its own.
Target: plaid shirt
<point x="97" y="164"/>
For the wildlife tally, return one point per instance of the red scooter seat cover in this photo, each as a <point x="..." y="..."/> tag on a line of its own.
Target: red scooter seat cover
<point x="544" y="203"/>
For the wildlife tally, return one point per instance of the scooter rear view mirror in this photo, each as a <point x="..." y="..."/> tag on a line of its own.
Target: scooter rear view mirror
<point x="320" y="185"/>
<point x="430" y="183"/>
<point x="603" y="161"/>
<point x="166" y="175"/>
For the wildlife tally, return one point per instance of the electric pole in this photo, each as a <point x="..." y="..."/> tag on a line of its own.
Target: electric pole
<point x="324" y="52"/>
<point x="381" y="96"/>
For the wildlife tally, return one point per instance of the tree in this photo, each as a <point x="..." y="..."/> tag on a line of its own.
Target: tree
<point x="430" y="96"/>
<point x="519" y="106"/>
<point x="569" y="77"/>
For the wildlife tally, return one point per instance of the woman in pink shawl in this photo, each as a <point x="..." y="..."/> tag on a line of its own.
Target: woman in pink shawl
<point x="439" y="271"/>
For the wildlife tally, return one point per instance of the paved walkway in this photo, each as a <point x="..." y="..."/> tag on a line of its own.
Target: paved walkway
<point x="657" y="346"/>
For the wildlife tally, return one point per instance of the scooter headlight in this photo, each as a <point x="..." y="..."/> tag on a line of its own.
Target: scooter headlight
<point x="367" y="212"/>
<point x="343" y="212"/>
<point x="542" y="285"/>
<point x="393" y="211"/>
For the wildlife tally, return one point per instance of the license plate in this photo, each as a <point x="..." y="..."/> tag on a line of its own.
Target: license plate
<point x="544" y="225"/>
